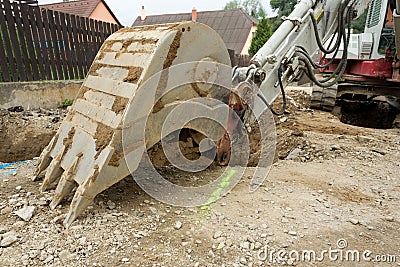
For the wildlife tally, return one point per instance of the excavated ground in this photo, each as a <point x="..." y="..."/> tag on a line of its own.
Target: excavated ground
<point x="23" y="135"/>
<point x="341" y="183"/>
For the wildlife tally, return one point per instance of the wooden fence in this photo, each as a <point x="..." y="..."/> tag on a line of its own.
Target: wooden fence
<point x="239" y="60"/>
<point x="41" y="44"/>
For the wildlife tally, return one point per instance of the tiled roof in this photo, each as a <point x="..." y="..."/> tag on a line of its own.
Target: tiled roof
<point x="233" y="25"/>
<point x="82" y="8"/>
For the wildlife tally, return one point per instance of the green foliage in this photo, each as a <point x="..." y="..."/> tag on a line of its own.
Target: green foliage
<point x="263" y="32"/>
<point x="358" y="25"/>
<point x="67" y="103"/>
<point x="252" y="7"/>
<point x="285" y="7"/>
<point x="233" y="4"/>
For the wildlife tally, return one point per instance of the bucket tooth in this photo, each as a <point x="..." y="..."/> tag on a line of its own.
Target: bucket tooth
<point x="54" y="172"/>
<point x="66" y="184"/>
<point x="64" y="187"/>
<point x="78" y="205"/>
<point x="88" y="144"/>
<point x="45" y="159"/>
<point x="42" y="165"/>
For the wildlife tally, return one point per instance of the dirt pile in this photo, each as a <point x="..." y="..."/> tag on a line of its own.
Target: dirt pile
<point x="287" y="139"/>
<point x="24" y="134"/>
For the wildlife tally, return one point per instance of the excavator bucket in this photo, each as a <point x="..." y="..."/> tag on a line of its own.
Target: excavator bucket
<point x="86" y="154"/>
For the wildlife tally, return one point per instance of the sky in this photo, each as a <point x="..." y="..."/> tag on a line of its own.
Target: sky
<point x="127" y="10"/>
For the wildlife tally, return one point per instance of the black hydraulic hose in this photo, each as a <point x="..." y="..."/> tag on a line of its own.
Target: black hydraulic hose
<point x="315" y="65"/>
<point x="340" y="30"/>
<point x="335" y="49"/>
<point x="319" y="42"/>
<point x="283" y="96"/>
<point x="306" y="59"/>
<point x="309" y="73"/>
<point x="329" y="46"/>
<point x="324" y="82"/>
<point x="342" y="65"/>
<point x="304" y="52"/>
<point x="343" y="62"/>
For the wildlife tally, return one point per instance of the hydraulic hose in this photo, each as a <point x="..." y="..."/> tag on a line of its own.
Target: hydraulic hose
<point x="283" y="96"/>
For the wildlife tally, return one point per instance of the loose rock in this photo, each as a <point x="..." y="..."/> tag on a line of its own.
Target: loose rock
<point x="178" y="225"/>
<point x="353" y="221"/>
<point x="25" y="213"/>
<point x="8" y="241"/>
<point x="293" y="154"/>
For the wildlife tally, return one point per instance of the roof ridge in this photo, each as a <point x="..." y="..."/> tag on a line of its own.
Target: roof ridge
<point x="199" y="12"/>
<point x="233" y="25"/>
<point x="68" y="2"/>
<point x="86" y="7"/>
<point x="255" y="20"/>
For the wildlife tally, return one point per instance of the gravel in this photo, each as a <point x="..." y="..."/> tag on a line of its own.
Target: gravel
<point x="337" y="181"/>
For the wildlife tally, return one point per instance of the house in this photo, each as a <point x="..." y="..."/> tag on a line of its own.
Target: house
<point x="235" y="26"/>
<point x="93" y="9"/>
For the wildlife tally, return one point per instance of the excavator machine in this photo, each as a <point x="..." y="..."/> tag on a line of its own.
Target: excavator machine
<point x="87" y="156"/>
<point x="368" y="92"/>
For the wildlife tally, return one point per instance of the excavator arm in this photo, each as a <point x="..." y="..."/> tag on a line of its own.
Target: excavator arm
<point x="291" y="52"/>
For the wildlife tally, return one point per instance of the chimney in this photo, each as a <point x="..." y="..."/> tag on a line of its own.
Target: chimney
<point x="194" y="14"/>
<point x="143" y="14"/>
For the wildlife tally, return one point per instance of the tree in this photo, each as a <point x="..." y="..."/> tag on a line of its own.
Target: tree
<point x="255" y="9"/>
<point x="263" y="32"/>
<point x="233" y="4"/>
<point x="285" y="7"/>
<point x="252" y="7"/>
<point x="358" y="25"/>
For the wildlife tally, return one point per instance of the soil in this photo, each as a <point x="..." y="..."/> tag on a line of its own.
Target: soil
<point x="341" y="190"/>
<point x="173" y="50"/>
<point x="23" y="135"/>
<point x="134" y="75"/>
<point x="103" y="136"/>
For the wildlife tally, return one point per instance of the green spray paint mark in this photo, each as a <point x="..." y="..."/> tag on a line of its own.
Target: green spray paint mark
<point x="206" y="209"/>
<point x="222" y="185"/>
